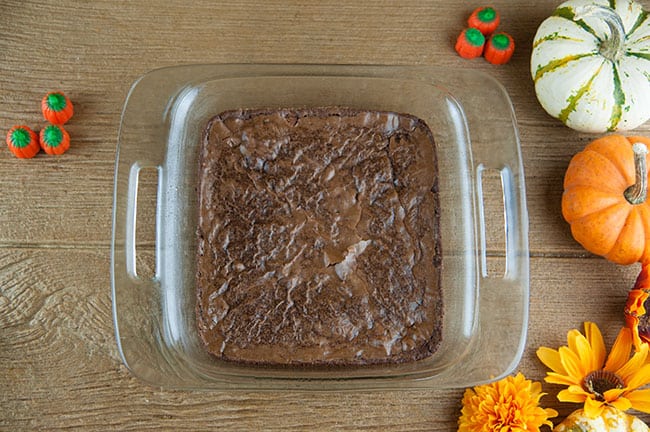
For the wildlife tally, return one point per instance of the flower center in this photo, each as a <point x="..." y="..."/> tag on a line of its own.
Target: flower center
<point x="598" y="382"/>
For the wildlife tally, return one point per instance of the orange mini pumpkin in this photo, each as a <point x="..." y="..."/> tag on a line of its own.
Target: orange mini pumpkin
<point x="605" y="198"/>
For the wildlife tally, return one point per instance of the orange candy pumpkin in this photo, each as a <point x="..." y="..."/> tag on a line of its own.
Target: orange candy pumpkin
<point x="470" y="43"/>
<point x="23" y="142"/>
<point x="57" y="108"/>
<point x="605" y="199"/>
<point x="485" y="18"/>
<point x="54" y="140"/>
<point x="499" y="48"/>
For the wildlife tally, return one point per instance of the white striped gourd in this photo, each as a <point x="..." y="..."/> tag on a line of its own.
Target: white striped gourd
<point x="611" y="420"/>
<point x="591" y="65"/>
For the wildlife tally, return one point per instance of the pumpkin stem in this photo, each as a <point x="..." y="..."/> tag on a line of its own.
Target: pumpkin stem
<point x="638" y="192"/>
<point x="613" y="47"/>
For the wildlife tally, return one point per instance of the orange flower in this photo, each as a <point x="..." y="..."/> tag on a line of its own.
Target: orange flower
<point x="598" y="380"/>
<point x="508" y="405"/>
<point x="637" y="318"/>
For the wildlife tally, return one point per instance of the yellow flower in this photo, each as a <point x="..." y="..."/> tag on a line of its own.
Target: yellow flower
<point x="508" y="405"/>
<point x="598" y="380"/>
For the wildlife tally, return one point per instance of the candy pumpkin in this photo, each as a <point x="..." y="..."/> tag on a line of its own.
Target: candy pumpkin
<point x="22" y="142"/>
<point x="485" y="19"/>
<point x="57" y="108"/>
<point x="611" y="420"/>
<point x="591" y="62"/>
<point x="499" y="48"/>
<point x="470" y="43"/>
<point x="605" y="198"/>
<point x="54" y="140"/>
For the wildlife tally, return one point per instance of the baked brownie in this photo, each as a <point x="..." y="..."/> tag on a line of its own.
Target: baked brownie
<point x="318" y="238"/>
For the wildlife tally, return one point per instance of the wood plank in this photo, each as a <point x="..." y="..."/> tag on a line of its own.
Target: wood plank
<point x="58" y="356"/>
<point x="98" y="67"/>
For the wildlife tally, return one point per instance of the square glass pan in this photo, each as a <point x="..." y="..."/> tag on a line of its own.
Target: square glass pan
<point x="471" y="117"/>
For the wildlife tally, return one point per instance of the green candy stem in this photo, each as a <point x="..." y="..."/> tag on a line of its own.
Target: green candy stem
<point x="500" y="41"/>
<point x="20" y="138"/>
<point x="53" y="136"/>
<point x="56" y="101"/>
<point x="487" y="15"/>
<point x="474" y="37"/>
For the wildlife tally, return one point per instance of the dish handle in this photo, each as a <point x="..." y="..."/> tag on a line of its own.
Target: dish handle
<point x="502" y="302"/>
<point x="503" y="279"/>
<point x="136" y="288"/>
<point x="131" y="242"/>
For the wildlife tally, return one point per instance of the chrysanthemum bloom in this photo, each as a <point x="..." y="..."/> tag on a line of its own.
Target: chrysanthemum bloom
<point x="598" y="380"/>
<point x="637" y="309"/>
<point x="508" y="405"/>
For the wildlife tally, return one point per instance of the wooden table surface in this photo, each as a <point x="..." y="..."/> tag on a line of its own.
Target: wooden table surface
<point x="59" y="363"/>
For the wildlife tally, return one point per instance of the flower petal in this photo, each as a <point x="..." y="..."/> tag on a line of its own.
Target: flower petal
<point x="571" y="337"/>
<point x="632" y="323"/>
<point x="612" y="395"/>
<point x="551" y="358"/>
<point x="577" y="389"/>
<point x="640" y="400"/>
<point x="595" y="338"/>
<point x="620" y="352"/>
<point x="588" y="360"/>
<point x="569" y="396"/>
<point x="639" y="378"/>
<point x="535" y="388"/>
<point x="550" y="413"/>
<point x="554" y="378"/>
<point x="633" y="367"/>
<point x="571" y="363"/>
<point x="593" y="408"/>
<point x="635" y="304"/>
<point x="623" y="404"/>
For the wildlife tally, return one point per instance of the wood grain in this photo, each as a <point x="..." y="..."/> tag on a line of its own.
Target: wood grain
<point x="59" y="364"/>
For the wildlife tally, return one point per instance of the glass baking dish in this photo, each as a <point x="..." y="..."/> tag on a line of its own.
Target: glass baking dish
<point x="472" y="120"/>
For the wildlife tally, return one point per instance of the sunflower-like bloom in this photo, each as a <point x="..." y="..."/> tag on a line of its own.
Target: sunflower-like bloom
<point x="637" y="309"/>
<point x="508" y="405"/>
<point x="598" y="380"/>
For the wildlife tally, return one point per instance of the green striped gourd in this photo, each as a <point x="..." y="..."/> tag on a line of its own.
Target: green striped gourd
<point x="591" y="65"/>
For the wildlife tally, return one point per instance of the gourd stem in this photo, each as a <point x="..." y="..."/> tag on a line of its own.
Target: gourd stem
<point x="638" y="192"/>
<point x="614" y="47"/>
